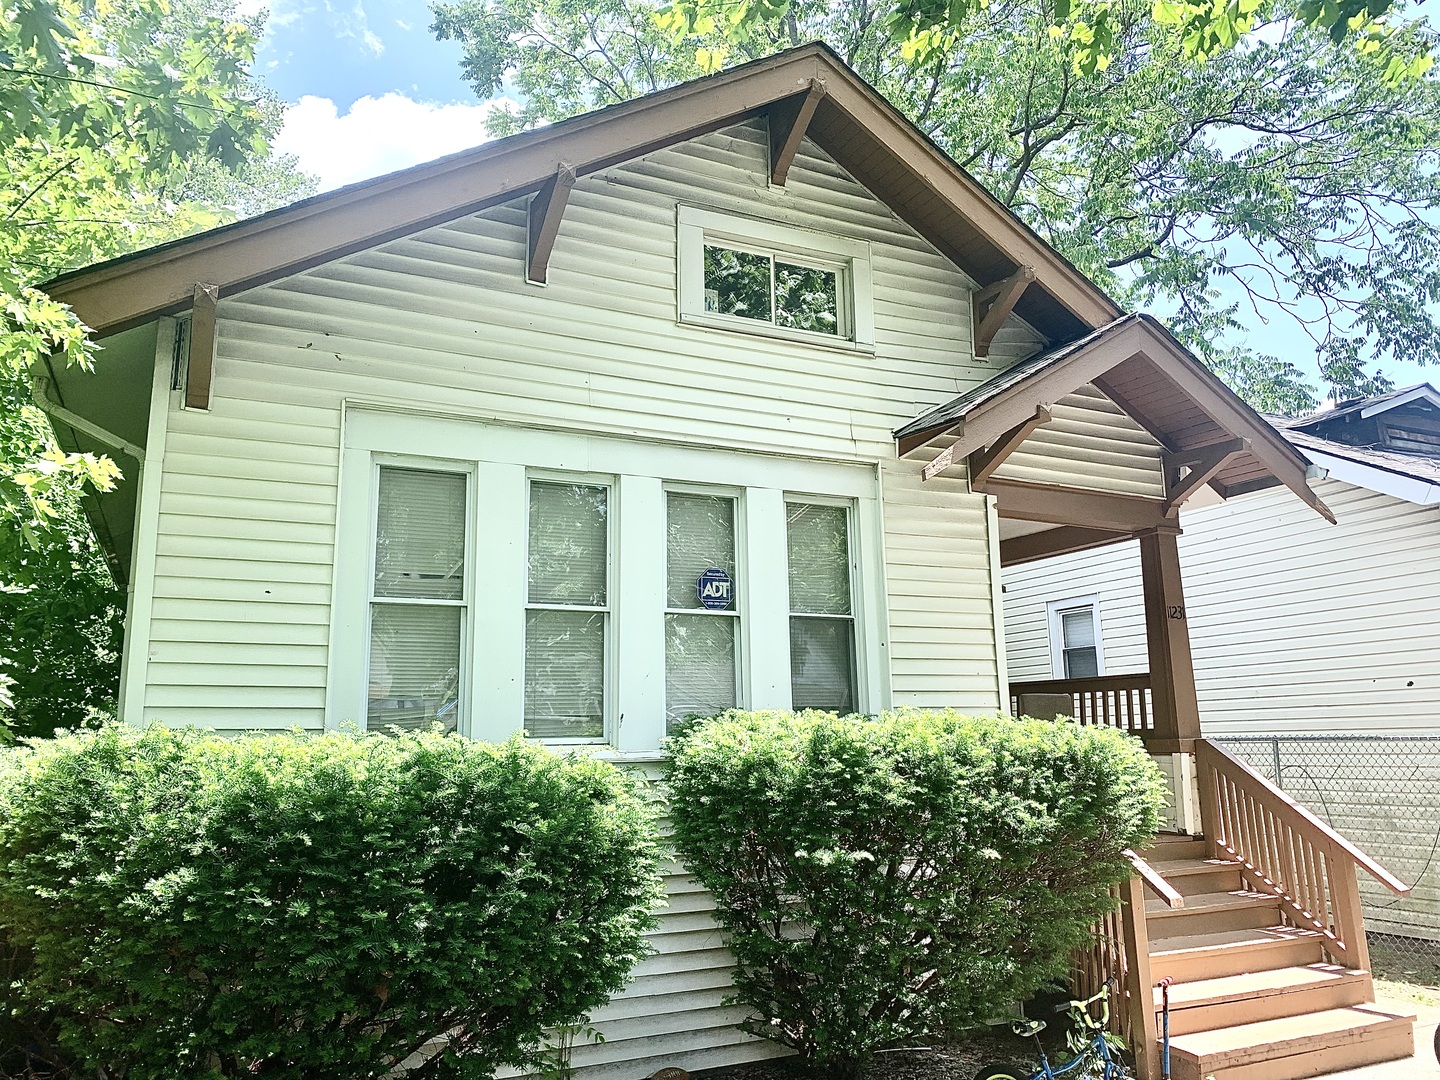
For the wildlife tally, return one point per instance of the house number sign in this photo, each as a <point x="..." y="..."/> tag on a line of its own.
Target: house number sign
<point x="714" y="589"/>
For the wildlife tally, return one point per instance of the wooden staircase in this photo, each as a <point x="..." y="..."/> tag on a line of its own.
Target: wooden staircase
<point x="1254" y="998"/>
<point x="1258" y="925"/>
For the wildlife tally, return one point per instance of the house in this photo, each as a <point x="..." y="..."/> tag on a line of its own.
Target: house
<point x="1350" y="705"/>
<point x="740" y="393"/>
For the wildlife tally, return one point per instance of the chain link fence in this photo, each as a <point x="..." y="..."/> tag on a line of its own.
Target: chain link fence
<point x="1383" y="794"/>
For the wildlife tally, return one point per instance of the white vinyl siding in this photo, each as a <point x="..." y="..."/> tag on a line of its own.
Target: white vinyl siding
<point x="1089" y="443"/>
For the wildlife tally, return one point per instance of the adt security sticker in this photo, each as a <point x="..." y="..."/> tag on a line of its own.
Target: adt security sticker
<point x="715" y="589"/>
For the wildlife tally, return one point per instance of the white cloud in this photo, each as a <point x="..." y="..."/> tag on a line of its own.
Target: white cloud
<point x="377" y="135"/>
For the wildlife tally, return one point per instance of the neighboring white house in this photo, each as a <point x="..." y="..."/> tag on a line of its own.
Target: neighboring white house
<point x="738" y="394"/>
<point x="1298" y="628"/>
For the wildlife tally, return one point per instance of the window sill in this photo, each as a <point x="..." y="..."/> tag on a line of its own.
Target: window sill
<point x="755" y="328"/>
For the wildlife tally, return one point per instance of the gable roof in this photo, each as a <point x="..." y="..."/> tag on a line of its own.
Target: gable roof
<point x="1412" y="477"/>
<point x="864" y="133"/>
<point x="1367" y="407"/>
<point x="1159" y="383"/>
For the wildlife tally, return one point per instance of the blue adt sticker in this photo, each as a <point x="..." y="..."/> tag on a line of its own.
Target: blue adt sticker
<point x="713" y="588"/>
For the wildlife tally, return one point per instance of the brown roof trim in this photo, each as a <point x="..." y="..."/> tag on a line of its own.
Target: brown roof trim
<point x="984" y="413"/>
<point x="855" y="123"/>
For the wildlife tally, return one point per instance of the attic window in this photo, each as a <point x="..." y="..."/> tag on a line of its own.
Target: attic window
<point x="775" y="280"/>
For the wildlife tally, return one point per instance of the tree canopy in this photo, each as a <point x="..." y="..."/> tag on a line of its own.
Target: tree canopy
<point x="124" y="123"/>
<point x="1287" y="180"/>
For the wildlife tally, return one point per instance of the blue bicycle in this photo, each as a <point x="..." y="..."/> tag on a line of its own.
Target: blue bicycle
<point x="1094" y="1057"/>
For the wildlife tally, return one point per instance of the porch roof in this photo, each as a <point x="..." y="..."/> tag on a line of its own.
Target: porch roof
<point x="1208" y="434"/>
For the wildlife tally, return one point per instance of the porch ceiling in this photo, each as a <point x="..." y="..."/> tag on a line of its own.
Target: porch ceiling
<point x="1208" y="435"/>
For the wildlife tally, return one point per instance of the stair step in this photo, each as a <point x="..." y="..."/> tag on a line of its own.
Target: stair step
<point x="1192" y="876"/>
<point x="1252" y="996"/>
<point x="1192" y="957"/>
<point x="1293" y="1047"/>
<point x="1212" y="912"/>
<point x="1174" y="846"/>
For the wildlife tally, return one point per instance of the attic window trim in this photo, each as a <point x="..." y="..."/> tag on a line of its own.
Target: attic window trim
<point x="695" y="228"/>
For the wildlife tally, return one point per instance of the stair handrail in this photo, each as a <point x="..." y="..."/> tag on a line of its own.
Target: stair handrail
<point x="1155" y="880"/>
<point x="1205" y="747"/>
<point x="1286" y="851"/>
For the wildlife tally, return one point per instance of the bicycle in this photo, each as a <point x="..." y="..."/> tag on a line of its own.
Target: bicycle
<point x="1095" y="1052"/>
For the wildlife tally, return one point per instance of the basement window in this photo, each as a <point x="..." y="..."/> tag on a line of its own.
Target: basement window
<point x="774" y="280"/>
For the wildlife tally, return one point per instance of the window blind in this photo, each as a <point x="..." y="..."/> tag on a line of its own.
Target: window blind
<point x="566" y="624"/>
<point x="700" y="643"/>
<point x="417" y="610"/>
<point x="822" y="626"/>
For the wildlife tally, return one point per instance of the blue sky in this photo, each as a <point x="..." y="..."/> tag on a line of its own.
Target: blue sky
<point x="371" y="91"/>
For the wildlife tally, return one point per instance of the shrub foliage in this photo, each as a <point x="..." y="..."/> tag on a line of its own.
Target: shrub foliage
<point x="887" y="879"/>
<point x="302" y="906"/>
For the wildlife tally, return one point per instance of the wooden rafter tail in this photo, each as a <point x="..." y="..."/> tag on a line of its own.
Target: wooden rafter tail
<point x="547" y="208"/>
<point x="983" y="463"/>
<point x="992" y="305"/>
<point x="1203" y="462"/>
<point x="200" y="364"/>
<point x="788" y="121"/>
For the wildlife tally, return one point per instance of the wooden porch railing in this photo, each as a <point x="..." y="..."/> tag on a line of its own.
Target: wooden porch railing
<point x="1285" y="850"/>
<point x="1118" y="701"/>
<point x="1119" y="955"/>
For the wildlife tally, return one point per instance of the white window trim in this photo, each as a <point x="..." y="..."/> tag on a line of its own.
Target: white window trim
<point x="503" y="459"/>
<point x="863" y="701"/>
<point x="466" y="604"/>
<point x="607" y="697"/>
<point x="1054" y="610"/>
<point x="851" y="258"/>
<point x="736" y="610"/>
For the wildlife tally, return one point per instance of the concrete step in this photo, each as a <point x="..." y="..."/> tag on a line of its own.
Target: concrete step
<point x="1190" y="877"/>
<point x="1294" y="1047"/>
<point x="1205" y="913"/>
<point x="1193" y="957"/>
<point x="1272" y="994"/>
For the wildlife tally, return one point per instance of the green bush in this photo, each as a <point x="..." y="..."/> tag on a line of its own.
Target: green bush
<point x="889" y="879"/>
<point x="316" y="906"/>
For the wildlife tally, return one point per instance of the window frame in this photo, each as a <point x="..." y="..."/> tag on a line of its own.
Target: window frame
<point x="1055" y="611"/>
<point x="609" y="611"/>
<point x="378" y="463"/>
<point x="848" y="259"/>
<point x="858" y="678"/>
<point x="736" y="610"/>
<point x="501" y="458"/>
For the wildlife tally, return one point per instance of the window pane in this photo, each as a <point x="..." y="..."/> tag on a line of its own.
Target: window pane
<point x="414" y="665"/>
<point x="420" y="535"/>
<point x="822" y="664"/>
<point x="699" y="665"/>
<point x="737" y="283"/>
<point x="819" y="559"/>
<point x="567" y="543"/>
<point x="1081" y="663"/>
<point x="700" y="533"/>
<point x="564" y="674"/>
<point x="1078" y="626"/>
<point x="806" y="298"/>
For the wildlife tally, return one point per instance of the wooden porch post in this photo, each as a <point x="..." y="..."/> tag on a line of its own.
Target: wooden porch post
<point x="1167" y="636"/>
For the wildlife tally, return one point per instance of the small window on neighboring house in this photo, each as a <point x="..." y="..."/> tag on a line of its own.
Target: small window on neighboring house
<point x="568" y="611"/>
<point x="417" y="603"/>
<point x="741" y="274"/>
<point x="702" y="636"/>
<point x="1075" y="648"/>
<point x="822" y="619"/>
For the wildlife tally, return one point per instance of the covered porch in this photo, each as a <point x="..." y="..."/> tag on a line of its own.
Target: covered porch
<point x="1249" y="903"/>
